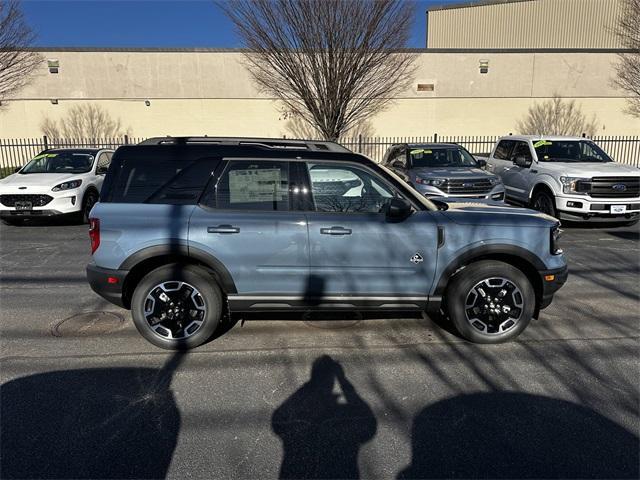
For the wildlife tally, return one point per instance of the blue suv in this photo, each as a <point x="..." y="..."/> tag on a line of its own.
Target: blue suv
<point x="188" y="230"/>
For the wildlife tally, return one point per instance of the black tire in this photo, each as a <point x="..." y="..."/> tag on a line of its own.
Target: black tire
<point x="15" y="222"/>
<point x="89" y="200"/>
<point x="463" y="288"/>
<point x="545" y="203"/>
<point x="192" y="276"/>
<point x="631" y="223"/>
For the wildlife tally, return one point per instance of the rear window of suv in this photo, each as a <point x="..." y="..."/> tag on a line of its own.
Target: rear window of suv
<point x="170" y="180"/>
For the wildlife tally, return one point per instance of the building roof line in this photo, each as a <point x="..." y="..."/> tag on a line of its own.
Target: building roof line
<point x="472" y="3"/>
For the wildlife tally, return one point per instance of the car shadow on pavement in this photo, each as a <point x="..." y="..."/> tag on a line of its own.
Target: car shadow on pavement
<point x="518" y="435"/>
<point x="322" y="431"/>
<point x="90" y="423"/>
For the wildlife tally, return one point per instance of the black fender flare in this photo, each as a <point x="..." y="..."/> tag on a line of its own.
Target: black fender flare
<point x="221" y="272"/>
<point x="488" y="252"/>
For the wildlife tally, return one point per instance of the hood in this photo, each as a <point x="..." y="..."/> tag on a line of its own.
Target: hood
<point x="590" y="169"/>
<point x="37" y="180"/>
<point x="457" y="173"/>
<point x="494" y="213"/>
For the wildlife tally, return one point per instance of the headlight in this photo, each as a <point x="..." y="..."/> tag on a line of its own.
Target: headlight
<point x="575" y="185"/>
<point x="434" y="182"/>
<point x="67" y="185"/>
<point x="556" y="233"/>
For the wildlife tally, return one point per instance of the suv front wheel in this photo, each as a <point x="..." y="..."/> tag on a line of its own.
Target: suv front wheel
<point x="490" y="302"/>
<point x="177" y="306"/>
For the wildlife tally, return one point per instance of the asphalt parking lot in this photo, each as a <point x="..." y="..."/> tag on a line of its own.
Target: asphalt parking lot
<point x="83" y="395"/>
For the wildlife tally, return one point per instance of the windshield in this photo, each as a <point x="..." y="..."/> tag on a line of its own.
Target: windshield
<point x="569" y="151"/>
<point x="61" y="162"/>
<point x="441" y="157"/>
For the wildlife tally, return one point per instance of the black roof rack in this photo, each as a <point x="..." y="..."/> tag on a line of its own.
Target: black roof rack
<point x="273" y="143"/>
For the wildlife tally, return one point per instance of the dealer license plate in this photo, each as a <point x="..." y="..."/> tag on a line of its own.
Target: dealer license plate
<point x="618" y="208"/>
<point x="23" y="205"/>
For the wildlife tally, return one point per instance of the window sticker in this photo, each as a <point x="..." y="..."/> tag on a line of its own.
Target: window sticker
<point x="45" y="155"/>
<point x="542" y="143"/>
<point x="262" y="185"/>
<point x="419" y="153"/>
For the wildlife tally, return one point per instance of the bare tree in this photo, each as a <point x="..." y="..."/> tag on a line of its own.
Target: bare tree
<point x="557" y="117"/>
<point x="333" y="63"/>
<point x="628" y="69"/>
<point x="89" y="121"/>
<point x="16" y="63"/>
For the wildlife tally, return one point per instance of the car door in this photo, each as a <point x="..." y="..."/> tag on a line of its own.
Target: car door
<point x="501" y="157"/>
<point x="246" y="221"/>
<point x="354" y="250"/>
<point x="515" y="178"/>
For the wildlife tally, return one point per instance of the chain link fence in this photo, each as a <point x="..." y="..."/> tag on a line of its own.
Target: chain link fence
<point x="16" y="152"/>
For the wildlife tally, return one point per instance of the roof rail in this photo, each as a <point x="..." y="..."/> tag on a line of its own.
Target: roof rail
<point x="274" y="143"/>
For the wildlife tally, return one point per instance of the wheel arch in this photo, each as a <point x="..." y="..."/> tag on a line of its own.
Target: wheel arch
<point x="522" y="259"/>
<point x="148" y="259"/>
<point x="542" y="186"/>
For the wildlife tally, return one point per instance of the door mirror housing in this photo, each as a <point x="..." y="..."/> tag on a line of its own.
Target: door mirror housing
<point x="17" y="169"/>
<point x="522" y="161"/>
<point x="398" y="164"/>
<point x="482" y="163"/>
<point x="397" y="209"/>
<point x="101" y="170"/>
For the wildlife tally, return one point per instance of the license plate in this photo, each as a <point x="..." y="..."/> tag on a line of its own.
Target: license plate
<point x="618" y="208"/>
<point x="23" y="205"/>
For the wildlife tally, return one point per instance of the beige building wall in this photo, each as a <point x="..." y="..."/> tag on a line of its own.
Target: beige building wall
<point x="554" y="24"/>
<point x="211" y="92"/>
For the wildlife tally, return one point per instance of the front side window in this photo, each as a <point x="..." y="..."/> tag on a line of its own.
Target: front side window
<point x="254" y="185"/>
<point x="441" y="157"/>
<point x="521" y="150"/>
<point x="103" y="162"/>
<point x="347" y="189"/>
<point x="59" y="162"/>
<point x="503" y="150"/>
<point x="569" y="151"/>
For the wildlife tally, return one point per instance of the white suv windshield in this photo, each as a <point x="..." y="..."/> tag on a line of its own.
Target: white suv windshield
<point x="62" y="162"/>
<point x="569" y="151"/>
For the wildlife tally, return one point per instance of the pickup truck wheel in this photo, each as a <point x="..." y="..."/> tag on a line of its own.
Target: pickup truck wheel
<point x="545" y="203"/>
<point x="490" y="302"/>
<point x="177" y="306"/>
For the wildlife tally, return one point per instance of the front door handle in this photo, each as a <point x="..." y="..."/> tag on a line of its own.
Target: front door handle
<point x="335" y="231"/>
<point x="223" y="229"/>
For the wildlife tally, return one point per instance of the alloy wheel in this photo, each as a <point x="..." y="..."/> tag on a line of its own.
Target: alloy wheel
<point x="174" y="310"/>
<point x="494" y="306"/>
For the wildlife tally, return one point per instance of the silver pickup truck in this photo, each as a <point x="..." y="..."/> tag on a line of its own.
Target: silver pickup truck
<point x="570" y="178"/>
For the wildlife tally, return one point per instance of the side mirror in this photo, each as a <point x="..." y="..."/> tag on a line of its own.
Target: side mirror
<point x="102" y="170"/>
<point x="523" y="162"/>
<point x="397" y="209"/>
<point x="17" y="169"/>
<point x="398" y="164"/>
<point x="481" y="162"/>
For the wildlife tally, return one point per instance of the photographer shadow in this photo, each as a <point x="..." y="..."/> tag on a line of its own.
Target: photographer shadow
<point x="322" y="431"/>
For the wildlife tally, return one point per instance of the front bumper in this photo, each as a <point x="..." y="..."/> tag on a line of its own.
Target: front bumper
<point x="552" y="280"/>
<point x="107" y="283"/>
<point x="584" y="208"/>
<point x="496" y="193"/>
<point x="62" y="203"/>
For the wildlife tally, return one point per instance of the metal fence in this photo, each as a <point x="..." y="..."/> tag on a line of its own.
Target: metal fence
<point x="16" y="152"/>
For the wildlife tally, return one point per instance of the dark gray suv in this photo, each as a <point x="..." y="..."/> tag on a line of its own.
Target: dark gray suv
<point x="190" y="229"/>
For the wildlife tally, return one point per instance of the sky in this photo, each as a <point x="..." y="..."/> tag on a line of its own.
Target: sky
<point x="149" y="23"/>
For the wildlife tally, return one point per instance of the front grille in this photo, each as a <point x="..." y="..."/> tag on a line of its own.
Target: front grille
<point x="36" y="200"/>
<point x="471" y="186"/>
<point x="614" y="187"/>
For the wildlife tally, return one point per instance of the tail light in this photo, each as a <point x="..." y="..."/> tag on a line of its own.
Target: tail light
<point x="94" y="234"/>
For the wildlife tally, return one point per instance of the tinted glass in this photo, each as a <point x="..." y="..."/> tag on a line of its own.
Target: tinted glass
<point x="503" y="150"/>
<point x="254" y="185"/>
<point x="347" y="189"/>
<point x="161" y="180"/>
<point x="569" y="151"/>
<point x="59" y="162"/>
<point x="441" y="157"/>
<point x="522" y="150"/>
<point x="103" y="161"/>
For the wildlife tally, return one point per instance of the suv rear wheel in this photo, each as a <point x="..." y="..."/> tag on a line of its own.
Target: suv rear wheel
<point x="177" y="306"/>
<point x="490" y="302"/>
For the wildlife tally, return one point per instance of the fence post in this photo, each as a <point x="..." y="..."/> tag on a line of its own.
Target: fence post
<point x="435" y="138"/>
<point x="45" y="140"/>
<point x="584" y="135"/>
<point x="359" y="143"/>
<point x="126" y="139"/>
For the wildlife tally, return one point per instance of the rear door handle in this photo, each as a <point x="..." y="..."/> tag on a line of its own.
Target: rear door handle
<point x="335" y="231"/>
<point x="223" y="229"/>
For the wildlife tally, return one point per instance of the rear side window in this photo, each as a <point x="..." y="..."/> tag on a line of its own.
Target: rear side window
<point x="157" y="180"/>
<point x="503" y="150"/>
<point x="254" y="185"/>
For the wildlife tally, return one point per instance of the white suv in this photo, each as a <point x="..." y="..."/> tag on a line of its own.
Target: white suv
<point x="65" y="181"/>
<point x="571" y="178"/>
